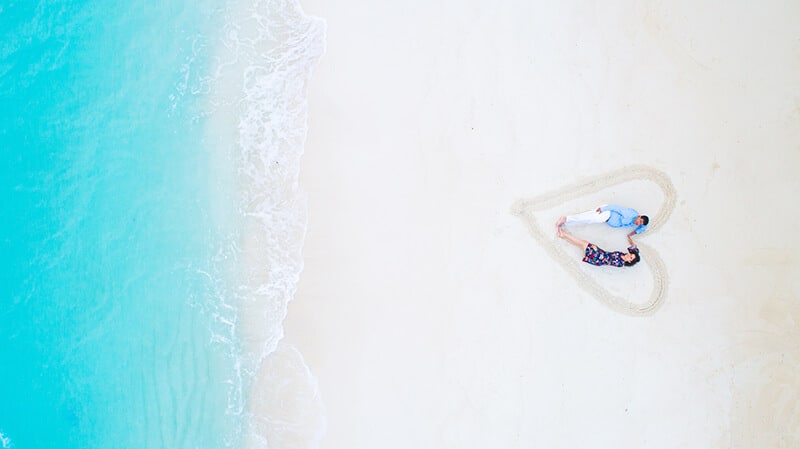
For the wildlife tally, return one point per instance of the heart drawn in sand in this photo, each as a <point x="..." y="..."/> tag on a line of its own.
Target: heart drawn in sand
<point x="527" y="208"/>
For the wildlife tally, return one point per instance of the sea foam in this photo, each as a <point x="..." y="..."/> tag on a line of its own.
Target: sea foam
<point x="258" y="113"/>
<point x="5" y="442"/>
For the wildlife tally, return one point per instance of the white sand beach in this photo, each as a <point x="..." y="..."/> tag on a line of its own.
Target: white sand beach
<point x="436" y="307"/>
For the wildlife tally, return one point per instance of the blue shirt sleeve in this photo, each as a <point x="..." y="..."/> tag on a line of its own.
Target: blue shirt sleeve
<point x="626" y="212"/>
<point x="639" y="229"/>
<point x="610" y="208"/>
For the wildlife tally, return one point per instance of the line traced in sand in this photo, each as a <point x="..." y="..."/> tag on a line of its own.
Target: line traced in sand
<point x="526" y="209"/>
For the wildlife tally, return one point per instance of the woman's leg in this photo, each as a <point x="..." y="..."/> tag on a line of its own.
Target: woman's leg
<point x="580" y="243"/>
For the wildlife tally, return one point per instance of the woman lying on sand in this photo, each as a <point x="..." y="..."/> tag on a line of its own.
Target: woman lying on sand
<point x="596" y="256"/>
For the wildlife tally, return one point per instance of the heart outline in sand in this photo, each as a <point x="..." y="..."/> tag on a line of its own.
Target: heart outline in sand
<point x="526" y="209"/>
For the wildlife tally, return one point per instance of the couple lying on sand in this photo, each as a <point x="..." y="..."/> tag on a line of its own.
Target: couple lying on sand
<point x="614" y="216"/>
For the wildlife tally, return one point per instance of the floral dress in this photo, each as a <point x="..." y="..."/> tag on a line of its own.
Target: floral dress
<point x="597" y="256"/>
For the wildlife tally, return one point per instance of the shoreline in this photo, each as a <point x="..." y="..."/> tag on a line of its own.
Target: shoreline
<point x="258" y="120"/>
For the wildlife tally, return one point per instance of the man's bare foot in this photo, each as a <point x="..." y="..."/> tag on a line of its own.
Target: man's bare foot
<point x="560" y="232"/>
<point x="561" y="221"/>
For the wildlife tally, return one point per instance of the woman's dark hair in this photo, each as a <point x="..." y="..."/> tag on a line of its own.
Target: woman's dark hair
<point x="635" y="260"/>
<point x="645" y="220"/>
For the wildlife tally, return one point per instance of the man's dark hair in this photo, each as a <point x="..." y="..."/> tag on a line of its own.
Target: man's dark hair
<point x="635" y="260"/>
<point x="645" y="220"/>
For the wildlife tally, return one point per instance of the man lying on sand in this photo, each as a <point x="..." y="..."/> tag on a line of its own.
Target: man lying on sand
<point x="614" y="216"/>
<point x="596" y="256"/>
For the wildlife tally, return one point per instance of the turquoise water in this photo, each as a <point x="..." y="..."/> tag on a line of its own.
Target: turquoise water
<point x="116" y="324"/>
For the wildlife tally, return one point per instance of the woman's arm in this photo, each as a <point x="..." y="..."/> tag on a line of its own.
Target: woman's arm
<point x="630" y="240"/>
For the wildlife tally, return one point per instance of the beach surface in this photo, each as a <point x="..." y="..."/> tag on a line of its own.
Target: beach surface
<point x="437" y="308"/>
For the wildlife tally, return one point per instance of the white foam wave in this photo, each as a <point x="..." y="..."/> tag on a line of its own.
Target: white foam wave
<point x="286" y="410"/>
<point x="5" y="442"/>
<point x="259" y="98"/>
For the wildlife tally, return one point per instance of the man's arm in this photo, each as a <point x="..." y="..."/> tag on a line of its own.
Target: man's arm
<point x="605" y="207"/>
<point x="630" y="240"/>
<point x="638" y="229"/>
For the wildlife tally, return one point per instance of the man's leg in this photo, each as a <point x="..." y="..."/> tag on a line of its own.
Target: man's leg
<point x="588" y="217"/>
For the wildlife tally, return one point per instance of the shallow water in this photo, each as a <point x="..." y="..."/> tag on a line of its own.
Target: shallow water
<point x="124" y="223"/>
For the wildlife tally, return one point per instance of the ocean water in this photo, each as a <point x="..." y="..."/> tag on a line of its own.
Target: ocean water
<point x="151" y="224"/>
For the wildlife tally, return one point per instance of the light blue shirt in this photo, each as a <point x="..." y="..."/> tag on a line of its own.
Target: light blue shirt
<point x="622" y="217"/>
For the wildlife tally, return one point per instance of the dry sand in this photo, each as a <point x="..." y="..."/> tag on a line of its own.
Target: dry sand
<point x="434" y="317"/>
